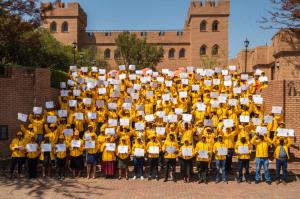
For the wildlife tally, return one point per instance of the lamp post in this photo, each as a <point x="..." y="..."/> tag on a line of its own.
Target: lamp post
<point x="81" y="58"/>
<point x="246" y="42"/>
<point x="74" y="46"/>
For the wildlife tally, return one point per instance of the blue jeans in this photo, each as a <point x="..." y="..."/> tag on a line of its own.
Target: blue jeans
<point x="259" y="163"/>
<point x="220" y="164"/>
<point x="281" y="163"/>
<point x="138" y="163"/>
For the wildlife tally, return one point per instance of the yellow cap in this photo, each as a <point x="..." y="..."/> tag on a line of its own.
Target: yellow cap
<point x="19" y="133"/>
<point x="30" y="126"/>
<point x="52" y="125"/>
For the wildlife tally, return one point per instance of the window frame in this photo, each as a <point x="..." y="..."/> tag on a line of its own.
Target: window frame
<point x="63" y="25"/>
<point x="1" y="133"/>
<point x="51" y="26"/>
<point x="107" y="50"/>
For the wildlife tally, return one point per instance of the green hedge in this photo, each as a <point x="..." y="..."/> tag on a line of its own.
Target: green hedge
<point x="58" y="76"/>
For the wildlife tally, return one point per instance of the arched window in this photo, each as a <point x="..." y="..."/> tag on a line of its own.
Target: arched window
<point x="172" y="53"/>
<point x="182" y="53"/>
<point x="215" y="50"/>
<point x="203" y="26"/>
<point x="107" y="53"/>
<point x="65" y="27"/>
<point x="203" y="50"/>
<point x="215" y="26"/>
<point x="53" y="27"/>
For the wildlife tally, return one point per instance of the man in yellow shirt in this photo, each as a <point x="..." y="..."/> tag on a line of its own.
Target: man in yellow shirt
<point x="262" y="144"/>
<point x="170" y="148"/>
<point x="220" y="151"/>
<point x="242" y="149"/>
<point x="281" y="155"/>
<point x="17" y="147"/>
<point x="203" y="151"/>
<point x="153" y="150"/>
<point x="32" y="158"/>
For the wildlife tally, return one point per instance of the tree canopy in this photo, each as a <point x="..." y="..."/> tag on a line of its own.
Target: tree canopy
<point x="132" y="50"/>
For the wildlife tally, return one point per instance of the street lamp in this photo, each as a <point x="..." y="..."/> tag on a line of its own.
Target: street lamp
<point x="246" y="42"/>
<point x="81" y="58"/>
<point x="74" y="46"/>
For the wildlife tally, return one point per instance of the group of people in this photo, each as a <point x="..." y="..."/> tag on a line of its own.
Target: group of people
<point x="191" y="116"/>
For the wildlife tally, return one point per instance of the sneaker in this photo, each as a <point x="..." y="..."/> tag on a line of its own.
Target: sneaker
<point x="134" y="177"/>
<point x="142" y="177"/>
<point x="157" y="178"/>
<point x="278" y="182"/>
<point x="217" y="181"/>
<point x="248" y="181"/>
<point x="269" y="182"/>
<point x="256" y="181"/>
<point x="239" y="181"/>
<point x="149" y="178"/>
<point x="165" y="180"/>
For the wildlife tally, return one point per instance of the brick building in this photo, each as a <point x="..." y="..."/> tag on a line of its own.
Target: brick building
<point x="21" y="89"/>
<point x="204" y="35"/>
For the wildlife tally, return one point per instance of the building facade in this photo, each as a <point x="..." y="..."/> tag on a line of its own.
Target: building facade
<point x="280" y="60"/>
<point x="202" y="41"/>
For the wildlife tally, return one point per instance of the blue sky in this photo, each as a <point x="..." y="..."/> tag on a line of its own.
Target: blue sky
<point x="171" y="14"/>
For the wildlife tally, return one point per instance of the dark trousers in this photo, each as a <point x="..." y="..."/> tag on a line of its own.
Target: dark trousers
<point x="138" y="163"/>
<point x="229" y="160"/>
<point x="244" y="163"/>
<point x="202" y="167"/>
<point x="171" y="163"/>
<point x="17" y="161"/>
<point x="32" y="167"/>
<point x="281" y="163"/>
<point x="187" y="166"/>
<point x="153" y="165"/>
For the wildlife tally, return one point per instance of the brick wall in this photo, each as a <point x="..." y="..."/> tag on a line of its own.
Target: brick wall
<point x="20" y="91"/>
<point x="286" y="93"/>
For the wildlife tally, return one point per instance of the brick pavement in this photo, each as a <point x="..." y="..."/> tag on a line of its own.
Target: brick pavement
<point x="113" y="188"/>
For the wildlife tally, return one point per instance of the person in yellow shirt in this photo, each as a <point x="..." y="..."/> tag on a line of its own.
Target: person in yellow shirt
<point x="228" y="137"/>
<point x="241" y="149"/>
<point x="32" y="157"/>
<point x="153" y="150"/>
<point x="203" y="151"/>
<point x="91" y="156"/>
<point x="220" y="151"/>
<point x="281" y="155"/>
<point x="170" y="148"/>
<point x="123" y="157"/>
<point x="17" y="147"/>
<point x="262" y="144"/>
<point x="76" y="155"/>
<point x="47" y="156"/>
<point x="138" y="159"/>
<point x="187" y="152"/>
<point x="61" y="156"/>
<point x="108" y="157"/>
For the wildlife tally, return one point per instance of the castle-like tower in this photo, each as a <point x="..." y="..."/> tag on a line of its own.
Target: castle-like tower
<point x="202" y="41"/>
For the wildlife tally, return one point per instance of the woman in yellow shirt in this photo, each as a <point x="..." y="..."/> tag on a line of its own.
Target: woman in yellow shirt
<point x="61" y="154"/>
<point x="108" y="157"/>
<point x="123" y="157"/>
<point x="32" y="157"/>
<point x="76" y="155"/>
<point x="91" y="156"/>
<point x="47" y="156"/>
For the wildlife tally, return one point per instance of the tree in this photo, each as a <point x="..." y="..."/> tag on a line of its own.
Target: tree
<point x="133" y="50"/>
<point x="285" y="14"/>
